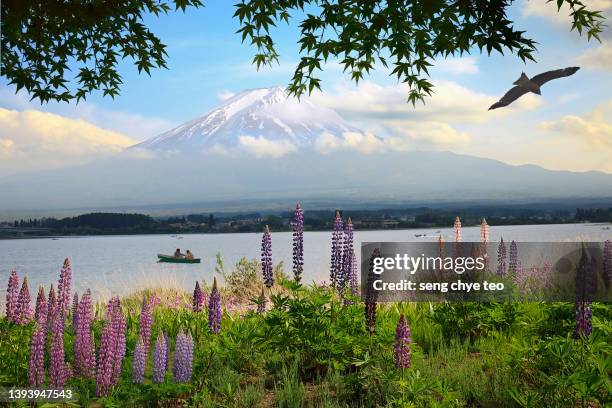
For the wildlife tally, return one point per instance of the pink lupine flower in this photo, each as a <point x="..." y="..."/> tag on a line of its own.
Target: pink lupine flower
<point x="40" y="314"/>
<point x="12" y="296"/>
<point x="36" y="368"/>
<point x="23" y="314"/>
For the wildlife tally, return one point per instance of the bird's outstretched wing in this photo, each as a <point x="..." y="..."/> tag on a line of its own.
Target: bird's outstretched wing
<point x="510" y="96"/>
<point x="544" y="77"/>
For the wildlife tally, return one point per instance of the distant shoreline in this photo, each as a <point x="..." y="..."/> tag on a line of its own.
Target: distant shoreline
<point x="436" y="227"/>
<point x="109" y="224"/>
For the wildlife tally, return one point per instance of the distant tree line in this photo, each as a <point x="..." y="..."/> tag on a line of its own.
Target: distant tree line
<point x="314" y="220"/>
<point x="594" y="214"/>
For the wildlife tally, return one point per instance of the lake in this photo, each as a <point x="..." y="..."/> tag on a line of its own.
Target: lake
<point x="118" y="265"/>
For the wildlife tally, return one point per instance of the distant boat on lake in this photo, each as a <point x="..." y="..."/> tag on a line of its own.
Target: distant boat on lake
<point x="172" y="259"/>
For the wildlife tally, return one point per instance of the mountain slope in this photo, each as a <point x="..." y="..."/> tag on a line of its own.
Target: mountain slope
<point x="338" y="178"/>
<point x="264" y="112"/>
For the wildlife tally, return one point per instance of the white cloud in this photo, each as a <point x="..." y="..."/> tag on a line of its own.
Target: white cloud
<point x="428" y="133"/>
<point x="594" y="129"/>
<point x="136" y="126"/>
<point x="451" y="103"/>
<point x="453" y="65"/>
<point x="548" y="10"/>
<point x="364" y="143"/>
<point x="34" y="140"/>
<point x="261" y="147"/>
<point x="599" y="58"/>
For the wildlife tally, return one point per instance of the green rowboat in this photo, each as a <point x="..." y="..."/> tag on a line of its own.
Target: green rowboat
<point x="172" y="259"/>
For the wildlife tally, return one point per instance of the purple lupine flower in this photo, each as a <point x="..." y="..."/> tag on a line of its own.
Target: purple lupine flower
<point x="75" y="308"/>
<point x="146" y="321"/>
<point x="23" y="313"/>
<point x="51" y="303"/>
<point x="63" y="289"/>
<point x="513" y="257"/>
<point x="40" y="314"/>
<point x="336" y="252"/>
<point x="183" y="358"/>
<point x="198" y="298"/>
<point x="354" y="280"/>
<point x="36" y="368"/>
<point x="110" y="354"/>
<point x="584" y="316"/>
<point x="58" y="371"/>
<point x="214" y="309"/>
<point x="401" y="352"/>
<point x="84" y="358"/>
<point x="347" y="256"/>
<point x="607" y="263"/>
<point x="586" y="282"/>
<point x="298" y="243"/>
<point x="501" y="258"/>
<point x="160" y="357"/>
<point x="12" y="296"/>
<point x="371" y="295"/>
<point x="266" y="258"/>
<point x="139" y="363"/>
<point x="120" y="344"/>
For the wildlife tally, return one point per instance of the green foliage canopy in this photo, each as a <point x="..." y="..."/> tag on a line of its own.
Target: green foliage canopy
<point x="43" y="40"/>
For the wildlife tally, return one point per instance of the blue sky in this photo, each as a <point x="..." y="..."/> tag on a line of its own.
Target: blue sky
<point x="207" y="60"/>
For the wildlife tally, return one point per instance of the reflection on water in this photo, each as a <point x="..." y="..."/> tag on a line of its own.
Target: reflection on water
<point x="120" y="264"/>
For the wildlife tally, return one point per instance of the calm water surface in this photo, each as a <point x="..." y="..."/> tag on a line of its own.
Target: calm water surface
<point x="120" y="264"/>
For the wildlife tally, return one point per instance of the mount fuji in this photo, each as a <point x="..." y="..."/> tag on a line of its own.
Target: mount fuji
<point x="267" y="113"/>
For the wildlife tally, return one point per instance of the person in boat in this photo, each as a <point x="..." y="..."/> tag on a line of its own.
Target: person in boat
<point x="178" y="254"/>
<point x="188" y="255"/>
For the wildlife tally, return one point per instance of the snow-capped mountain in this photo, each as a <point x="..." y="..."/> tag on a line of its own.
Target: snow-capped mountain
<point x="261" y="113"/>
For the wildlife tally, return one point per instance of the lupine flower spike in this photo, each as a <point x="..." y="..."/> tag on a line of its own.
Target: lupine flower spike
<point x="58" y="372"/>
<point x="401" y="351"/>
<point x="501" y="258"/>
<point x="12" y="295"/>
<point x="140" y="359"/>
<point x="513" y="257"/>
<point x="24" y="310"/>
<point x="371" y="295"/>
<point x="36" y="368"/>
<point x="586" y="283"/>
<point x="347" y="257"/>
<point x="64" y="288"/>
<point x="159" y="359"/>
<point x="75" y="307"/>
<point x="214" y="309"/>
<point x="336" y="252"/>
<point x="40" y="314"/>
<point x="112" y="348"/>
<point x="183" y="358"/>
<point x="84" y="358"/>
<point x="146" y="321"/>
<point x="198" y="298"/>
<point x="266" y="258"/>
<point x="51" y="304"/>
<point x="298" y="243"/>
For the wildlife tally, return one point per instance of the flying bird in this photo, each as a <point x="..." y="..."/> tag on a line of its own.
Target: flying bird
<point x="525" y="85"/>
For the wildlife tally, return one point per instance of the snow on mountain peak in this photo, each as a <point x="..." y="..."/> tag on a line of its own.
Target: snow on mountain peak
<point x="267" y="114"/>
